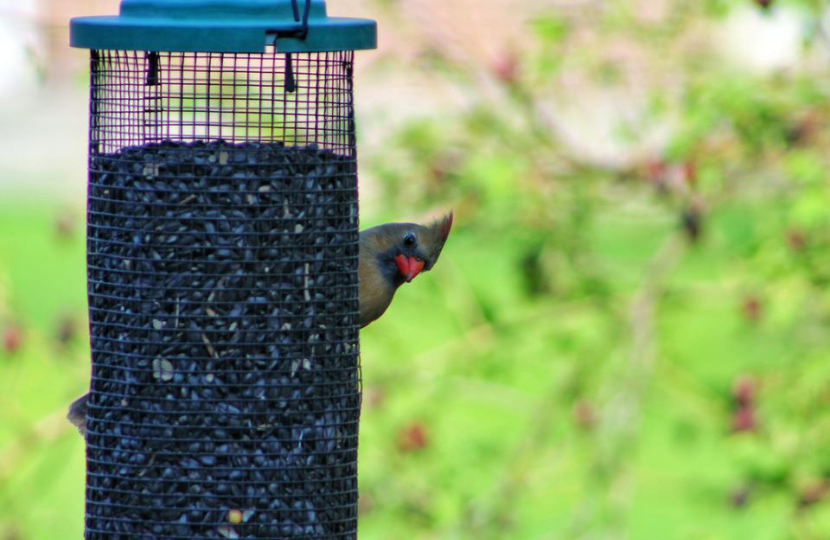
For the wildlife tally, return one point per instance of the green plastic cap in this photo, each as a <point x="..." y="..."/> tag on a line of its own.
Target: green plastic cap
<point x="222" y="26"/>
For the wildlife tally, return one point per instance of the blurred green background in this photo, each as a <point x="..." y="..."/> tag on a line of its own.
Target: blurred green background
<point x="627" y="334"/>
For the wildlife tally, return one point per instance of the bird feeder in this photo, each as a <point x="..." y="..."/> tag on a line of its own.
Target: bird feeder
<point x="222" y="258"/>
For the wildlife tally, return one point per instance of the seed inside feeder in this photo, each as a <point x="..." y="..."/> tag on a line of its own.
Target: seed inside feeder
<point x="162" y="369"/>
<point x="198" y="279"/>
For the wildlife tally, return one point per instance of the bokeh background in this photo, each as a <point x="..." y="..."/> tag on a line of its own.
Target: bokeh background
<point x="627" y="334"/>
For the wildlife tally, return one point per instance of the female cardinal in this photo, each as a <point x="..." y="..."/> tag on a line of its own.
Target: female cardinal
<point x="390" y="255"/>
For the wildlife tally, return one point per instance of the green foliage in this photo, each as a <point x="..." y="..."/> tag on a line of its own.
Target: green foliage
<point x="596" y="345"/>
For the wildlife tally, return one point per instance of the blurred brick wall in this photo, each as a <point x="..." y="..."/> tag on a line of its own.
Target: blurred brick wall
<point x="51" y="18"/>
<point x="476" y="31"/>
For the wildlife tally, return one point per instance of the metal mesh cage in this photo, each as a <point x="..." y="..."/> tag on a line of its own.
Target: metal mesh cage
<point x="222" y="274"/>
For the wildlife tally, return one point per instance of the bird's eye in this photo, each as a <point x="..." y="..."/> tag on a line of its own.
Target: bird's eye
<point x="409" y="239"/>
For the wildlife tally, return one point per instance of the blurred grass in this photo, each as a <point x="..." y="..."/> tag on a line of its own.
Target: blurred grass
<point x="41" y="463"/>
<point x="492" y="376"/>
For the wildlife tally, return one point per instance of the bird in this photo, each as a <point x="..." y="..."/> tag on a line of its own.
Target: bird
<point x="390" y="255"/>
<point x="394" y="254"/>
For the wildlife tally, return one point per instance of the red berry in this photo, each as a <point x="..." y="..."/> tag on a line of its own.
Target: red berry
<point x="744" y="390"/>
<point x="740" y="496"/>
<point x="752" y="308"/>
<point x="506" y="68"/>
<point x="413" y="437"/>
<point x="584" y="414"/>
<point x="65" y="225"/>
<point x="656" y="170"/>
<point x="744" y="419"/>
<point x="689" y="171"/>
<point x="796" y="239"/>
<point x="67" y="329"/>
<point x="12" y="339"/>
<point x="365" y="504"/>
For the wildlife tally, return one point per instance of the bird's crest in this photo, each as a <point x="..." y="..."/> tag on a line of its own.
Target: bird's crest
<point x="443" y="226"/>
<point x="439" y="231"/>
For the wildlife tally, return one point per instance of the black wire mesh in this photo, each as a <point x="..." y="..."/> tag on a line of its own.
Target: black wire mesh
<point x="222" y="273"/>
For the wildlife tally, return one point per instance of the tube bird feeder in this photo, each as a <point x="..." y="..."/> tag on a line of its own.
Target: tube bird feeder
<point x="222" y="253"/>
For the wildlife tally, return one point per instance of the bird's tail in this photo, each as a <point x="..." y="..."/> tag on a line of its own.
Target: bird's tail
<point x="77" y="413"/>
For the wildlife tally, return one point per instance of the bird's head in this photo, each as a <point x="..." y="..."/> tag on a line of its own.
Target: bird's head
<point x="407" y="249"/>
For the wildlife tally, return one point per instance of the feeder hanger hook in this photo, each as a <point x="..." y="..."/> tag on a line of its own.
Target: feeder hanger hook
<point x="303" y="30"/>
<point x="301" y="33"/>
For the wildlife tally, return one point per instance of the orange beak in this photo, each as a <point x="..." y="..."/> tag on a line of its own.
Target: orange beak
<point x="409" y="266"/>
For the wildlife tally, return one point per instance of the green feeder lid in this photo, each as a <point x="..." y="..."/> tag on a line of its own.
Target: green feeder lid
<point x="223" y="26"/>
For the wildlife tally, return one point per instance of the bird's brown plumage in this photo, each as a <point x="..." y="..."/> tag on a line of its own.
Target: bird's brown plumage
<point x="378" y="275"/>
